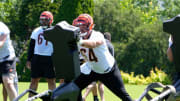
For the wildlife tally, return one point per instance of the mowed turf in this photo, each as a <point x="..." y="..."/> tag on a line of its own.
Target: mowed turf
<point x="134" y="90"/>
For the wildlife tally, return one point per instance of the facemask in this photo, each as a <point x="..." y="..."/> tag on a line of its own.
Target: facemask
<point x="44" y="27"/>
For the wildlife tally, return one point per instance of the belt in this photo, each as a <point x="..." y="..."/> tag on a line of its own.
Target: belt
<point x="107" y="70"/>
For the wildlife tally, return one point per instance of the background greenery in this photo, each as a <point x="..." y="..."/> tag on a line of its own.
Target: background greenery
<point x="135" y="26"/>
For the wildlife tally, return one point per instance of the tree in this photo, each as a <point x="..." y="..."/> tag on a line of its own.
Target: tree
<point x="9" y="14"/>
<point x="140" y="43"/>
<point x="169" y="8"/>
<point x="70" y="9"/>
<point x="114" y="17"/>
<point x="30" y="12"/>
<point x="145" y="50"/>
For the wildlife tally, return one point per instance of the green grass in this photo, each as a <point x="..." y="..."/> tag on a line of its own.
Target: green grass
<point x="134" y="90"/>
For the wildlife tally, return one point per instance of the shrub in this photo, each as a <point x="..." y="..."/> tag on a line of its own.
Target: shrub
<point x="156" y="75"/>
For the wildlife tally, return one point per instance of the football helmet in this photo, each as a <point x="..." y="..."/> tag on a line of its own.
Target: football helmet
<point x="85" y="22"/>
<point x="74" y="22"/>
<point x="46" y="19"/>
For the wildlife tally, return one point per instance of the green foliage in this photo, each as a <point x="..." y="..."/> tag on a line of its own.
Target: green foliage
<point x="70" y="9"/>
<point x="145" y="49"/>
<point x="110" y="16"/>
<point x="5" y="9"/>
<point x="30" y="12"/>
<point x="170" y="8"/>
<point x="135" y="26"/>
<point x="156" y="75"/>
<point x="23" y="72"/>
<point x="121" y="18"/>
<point x="9" y="14"/>
<point x="136" y="30"/>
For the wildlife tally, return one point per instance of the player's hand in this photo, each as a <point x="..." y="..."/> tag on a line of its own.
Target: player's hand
<point x="77" y="35"/>
<point x="82" y="61"/>
<point x="28" y="64"/>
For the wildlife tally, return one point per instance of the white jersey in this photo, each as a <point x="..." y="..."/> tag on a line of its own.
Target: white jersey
<point x="99" y="58"/>
<point x="42" y="46"/>
<point x="85" y="68"/>
<point x="6" y="51"/>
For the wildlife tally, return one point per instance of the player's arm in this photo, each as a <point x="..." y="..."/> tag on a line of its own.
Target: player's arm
<point x="31" y="49"/>
<point x="169" y="50"/>
<point x="110" y="48"/>
<point x="30" y="53"/>
<point x="2" y="39"/>
<point x="90" y="43"/>
<point x="170" y="54"/>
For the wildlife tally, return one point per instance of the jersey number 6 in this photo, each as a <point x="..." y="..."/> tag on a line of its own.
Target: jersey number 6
<point x="41" y="38"/>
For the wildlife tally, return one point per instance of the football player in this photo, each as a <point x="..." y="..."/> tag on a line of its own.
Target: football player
<point x="93" y="85"/>
<point x="92" y="45"/>
<point x="7" y="64"/>
<point x="40" y="54"/>
<point x="5" y="95"/>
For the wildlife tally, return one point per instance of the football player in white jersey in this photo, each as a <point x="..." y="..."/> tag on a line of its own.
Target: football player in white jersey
<point x="40" y="54"/>
<point x="7" y="62"/>
<point x="93" y="86"/>
<point x="93" y="47"/>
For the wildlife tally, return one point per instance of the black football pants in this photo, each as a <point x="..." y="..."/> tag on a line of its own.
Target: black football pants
<point x="112" y="80"/>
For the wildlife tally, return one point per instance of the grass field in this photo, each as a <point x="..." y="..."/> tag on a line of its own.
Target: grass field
<point x="134" y="90"/>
